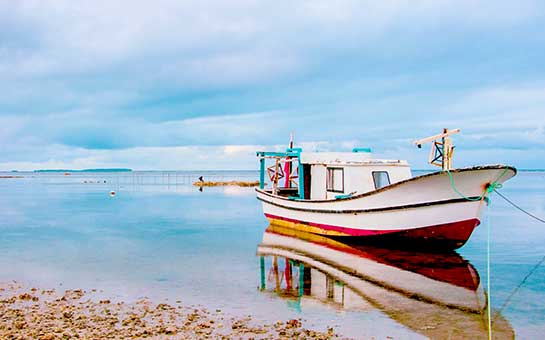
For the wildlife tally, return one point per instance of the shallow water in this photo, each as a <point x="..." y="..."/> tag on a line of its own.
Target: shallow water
<point x="162" y="238"/>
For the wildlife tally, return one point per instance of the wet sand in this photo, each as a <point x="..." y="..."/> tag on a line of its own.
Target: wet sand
<point x="32" y="313"/>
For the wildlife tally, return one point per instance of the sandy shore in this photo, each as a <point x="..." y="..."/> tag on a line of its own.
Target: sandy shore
<point x="31" y="313"/>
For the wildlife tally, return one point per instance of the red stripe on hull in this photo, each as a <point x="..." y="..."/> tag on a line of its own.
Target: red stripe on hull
<point x="456" y="232"/>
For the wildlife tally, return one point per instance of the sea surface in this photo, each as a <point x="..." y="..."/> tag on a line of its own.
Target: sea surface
<point x="160" y="237"/>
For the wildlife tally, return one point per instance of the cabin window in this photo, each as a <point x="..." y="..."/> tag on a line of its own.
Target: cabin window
<point x="335" y="179"/>
<point x="381" y="179"/>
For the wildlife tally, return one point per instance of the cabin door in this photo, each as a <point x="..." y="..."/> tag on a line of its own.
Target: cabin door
<point x="307" y="180"/>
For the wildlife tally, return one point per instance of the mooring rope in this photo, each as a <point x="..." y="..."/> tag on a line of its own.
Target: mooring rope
<point x="488" y="190"/>
<point x="519" y="208"/>
<point x="488" y="298"/>
<point x="537" y="265"/>
<point x="518" y="287"/>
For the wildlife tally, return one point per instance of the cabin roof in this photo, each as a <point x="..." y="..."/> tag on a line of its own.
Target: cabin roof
<point x="347" y="158"/>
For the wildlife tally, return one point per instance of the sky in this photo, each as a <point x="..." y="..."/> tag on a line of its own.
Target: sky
<point x="186" y="85"/>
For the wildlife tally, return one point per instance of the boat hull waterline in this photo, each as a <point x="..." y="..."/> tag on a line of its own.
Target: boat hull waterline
<point x="426" y="209"/>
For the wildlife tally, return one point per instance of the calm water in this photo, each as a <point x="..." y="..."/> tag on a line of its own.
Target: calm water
<point x="162" y="238"/>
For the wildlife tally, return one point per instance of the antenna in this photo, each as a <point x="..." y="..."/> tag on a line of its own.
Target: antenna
<point x="291" y="139"/>
<point x="442" y="149"/>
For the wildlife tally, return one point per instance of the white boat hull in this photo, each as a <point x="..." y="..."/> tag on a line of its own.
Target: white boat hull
<point x="422" y="208"/>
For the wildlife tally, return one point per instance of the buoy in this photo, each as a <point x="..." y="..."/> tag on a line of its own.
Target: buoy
<point x="112" y="193"/>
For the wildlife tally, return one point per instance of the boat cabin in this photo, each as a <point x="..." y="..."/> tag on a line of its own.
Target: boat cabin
<point x="328" y="175"/>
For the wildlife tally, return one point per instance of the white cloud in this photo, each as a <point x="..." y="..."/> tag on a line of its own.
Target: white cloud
<point x="127" y="75"/>
<point x="217" y="40"/>
<point x="519" y="98"/>
<point x="234" y="157"/>
<point x="197" y="157"/>
<point x="507" y="116"/>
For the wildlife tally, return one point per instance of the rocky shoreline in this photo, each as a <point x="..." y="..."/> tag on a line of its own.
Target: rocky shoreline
<point x="31" y="313"/>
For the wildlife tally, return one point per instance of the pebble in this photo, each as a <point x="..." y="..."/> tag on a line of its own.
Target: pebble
<point x="67" y="316"/>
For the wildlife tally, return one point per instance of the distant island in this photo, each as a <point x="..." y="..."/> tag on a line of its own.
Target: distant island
<point x="85" y="170"/>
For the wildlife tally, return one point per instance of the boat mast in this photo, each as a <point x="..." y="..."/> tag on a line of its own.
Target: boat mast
<point x="442" y="148"/>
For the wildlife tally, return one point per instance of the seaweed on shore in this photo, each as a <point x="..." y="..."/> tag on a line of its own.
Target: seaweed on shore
<point x="48" y="314"/>
<point x="228" y="183"/>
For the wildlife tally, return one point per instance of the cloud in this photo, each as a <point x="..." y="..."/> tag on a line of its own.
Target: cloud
<point x="509" y="117"/>
<point x="507" y="99"/>
<point x="210" y="43"/>
<point x="83" y="83"/>
<point x="234" y="137"/>
<point x="230" y="157"/>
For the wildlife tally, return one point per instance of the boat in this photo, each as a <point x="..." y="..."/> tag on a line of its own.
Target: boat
<point x="435" y="295"/>
<point x="352" y="194"/>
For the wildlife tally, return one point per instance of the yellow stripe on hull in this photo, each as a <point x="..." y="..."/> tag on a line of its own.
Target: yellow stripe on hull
<point x="305" y="227"/>
<point x="306" y="236"/>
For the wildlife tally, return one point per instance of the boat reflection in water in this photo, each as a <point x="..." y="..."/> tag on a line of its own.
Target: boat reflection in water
<point x="436" y="295"/>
